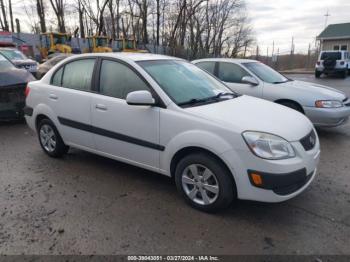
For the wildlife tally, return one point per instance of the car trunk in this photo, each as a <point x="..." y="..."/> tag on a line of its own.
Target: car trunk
<point x="12" y="101"/>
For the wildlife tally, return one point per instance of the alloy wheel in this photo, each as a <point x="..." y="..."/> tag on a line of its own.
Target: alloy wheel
<point x="48" y="138"/>
<point x="200" y="184"/>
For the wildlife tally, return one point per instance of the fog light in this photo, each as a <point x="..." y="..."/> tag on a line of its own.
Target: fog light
<point x="256" y="178"/>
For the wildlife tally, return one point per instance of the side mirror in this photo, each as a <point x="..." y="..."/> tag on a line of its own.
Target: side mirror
<point x="249" y="80"/>
<point x="140" y="98"/>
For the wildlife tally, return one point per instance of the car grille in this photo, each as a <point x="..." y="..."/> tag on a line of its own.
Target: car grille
<point x="12" y="94"/>
<point x="309" y="141"/>
<point x="291" y="188"/>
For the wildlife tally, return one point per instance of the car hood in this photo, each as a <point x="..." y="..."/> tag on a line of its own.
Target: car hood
<point x="319" y="91"/>
<point x="15" y="76"/>
<point x="248" y="113"/>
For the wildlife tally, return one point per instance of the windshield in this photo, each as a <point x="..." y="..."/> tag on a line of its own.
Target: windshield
<point x="266" y="73"/>
<point x="5" y="64"/>
<point x="182" y="81"/>
<point x="101" y="41"/>
<point x="13" y="54"/>
<point x="331" y="55"/>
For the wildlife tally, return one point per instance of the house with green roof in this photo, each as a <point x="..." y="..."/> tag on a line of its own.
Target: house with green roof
<point x="335" y="37"/>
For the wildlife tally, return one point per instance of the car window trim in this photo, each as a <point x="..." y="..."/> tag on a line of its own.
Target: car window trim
<point x="63" y="66"/>
<point x="159" y="102"/>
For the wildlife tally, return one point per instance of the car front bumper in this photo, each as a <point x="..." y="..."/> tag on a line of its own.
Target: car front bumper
<point x="290" y="176"/>
<point x="328" y="117"/>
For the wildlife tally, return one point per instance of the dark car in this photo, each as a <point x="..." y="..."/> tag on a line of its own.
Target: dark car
<point x="45" y="67"/>
<point x="13" y="82"/>
<point x="19" y="59"/>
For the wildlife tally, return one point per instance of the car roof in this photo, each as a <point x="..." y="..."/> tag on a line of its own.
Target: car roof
<point x="8" y="49"/>
<point x="130" y="56"/>
<point x="228" y="60"/>
<point x="333" y="51"/>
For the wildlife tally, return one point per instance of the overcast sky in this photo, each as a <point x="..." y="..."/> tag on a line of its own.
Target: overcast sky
<point x="303" y="19"/>
<point x="276" y="20"/>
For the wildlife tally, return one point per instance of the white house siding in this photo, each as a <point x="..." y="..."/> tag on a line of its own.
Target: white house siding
<point x="329" y="44"/>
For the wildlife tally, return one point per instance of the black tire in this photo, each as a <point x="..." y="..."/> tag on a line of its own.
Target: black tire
<point x="344" y="74"/>
<point x="292" y="105"/>
<point x="222" y="177"/>
<point x="60" y="148"/>
<point x="318" y="74"/>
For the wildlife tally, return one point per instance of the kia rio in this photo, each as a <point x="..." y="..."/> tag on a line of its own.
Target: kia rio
<point x="169" y="116"/>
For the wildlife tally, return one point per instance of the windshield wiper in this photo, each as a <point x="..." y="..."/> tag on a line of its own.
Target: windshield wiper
<point x="280" y="82"/>
<point x="225" y="94"/>
<point x="194" y="101"/>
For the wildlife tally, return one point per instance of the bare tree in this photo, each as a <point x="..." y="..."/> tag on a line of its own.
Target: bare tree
<point x="158" y="21"/>
<point x="81" y="12"/>
<point x="4" y="23"/>
<point x="95" y="14"/>
<point x="58" y="7"/>
<point x="40" y="8"/>
<point x="11" y="17"/>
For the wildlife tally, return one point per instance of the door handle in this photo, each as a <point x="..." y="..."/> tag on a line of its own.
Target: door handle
<point x="53" y="97"/>
<point x="101" y="107"/>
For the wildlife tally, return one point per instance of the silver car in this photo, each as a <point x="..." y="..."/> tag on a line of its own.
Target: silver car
<point x="323" y="105"/>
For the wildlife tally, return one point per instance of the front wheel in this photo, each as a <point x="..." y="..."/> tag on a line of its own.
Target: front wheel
<point x="205" y="182"/>
<point x="50" y="140"/>
<point x="292" y="105"/>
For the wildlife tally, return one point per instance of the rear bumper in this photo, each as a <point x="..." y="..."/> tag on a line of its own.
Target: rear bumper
<point x="28" y="111"/>
<point x="333" y="70"/>
<point x="12" y="102"/>
<point x="9" y="111"/>
<point x="328" y="117"/>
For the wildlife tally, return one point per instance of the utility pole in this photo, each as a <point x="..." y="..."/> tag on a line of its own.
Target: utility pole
<point x="267" y="56"/>
<point x="326" y="19"/>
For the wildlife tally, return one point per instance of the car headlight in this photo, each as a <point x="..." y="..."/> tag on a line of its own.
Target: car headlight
<point x="328" y="104"/>
<point x="268" y="146"/>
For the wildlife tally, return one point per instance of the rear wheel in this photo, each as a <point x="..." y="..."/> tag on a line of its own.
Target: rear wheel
<point x="50" y="140"/>
<point x="204" y="182"/>
<point x="318" y="74"/>
<point x="344" y="74"/>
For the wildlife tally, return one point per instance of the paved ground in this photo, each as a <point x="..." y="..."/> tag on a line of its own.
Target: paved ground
<point x="85" y="204"/>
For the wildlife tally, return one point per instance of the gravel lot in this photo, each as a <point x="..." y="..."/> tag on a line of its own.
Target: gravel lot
<point x="86" y="204"/>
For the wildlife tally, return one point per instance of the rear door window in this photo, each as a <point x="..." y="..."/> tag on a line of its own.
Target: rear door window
<point x="57" y="78"/>
<point x="78" y="74"/>
<point x="207" y="66"/>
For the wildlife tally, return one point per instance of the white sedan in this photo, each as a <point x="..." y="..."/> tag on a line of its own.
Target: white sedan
<point x="323" y="105"/>
<point x="169" y="116"/>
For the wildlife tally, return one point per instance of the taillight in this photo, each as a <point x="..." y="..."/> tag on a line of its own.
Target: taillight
<point x="318" y="63"/>
<point x="26" y="91"/>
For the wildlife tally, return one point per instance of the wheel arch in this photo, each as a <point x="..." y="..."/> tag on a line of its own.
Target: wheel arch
<point x="39" y="118"/>
<point x="282" y="100"/>
<point x="180" y="154"/>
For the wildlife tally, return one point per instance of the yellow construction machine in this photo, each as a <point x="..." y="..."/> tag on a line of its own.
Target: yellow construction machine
<point x="98" y="44"/>
<point x="51" y="43"/>
<point x="127" y="45"/>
